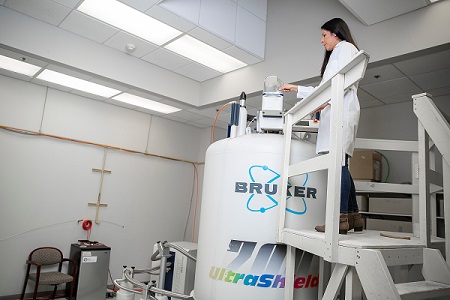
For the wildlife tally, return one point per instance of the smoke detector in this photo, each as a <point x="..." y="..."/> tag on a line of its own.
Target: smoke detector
<point x="130" y="47"/>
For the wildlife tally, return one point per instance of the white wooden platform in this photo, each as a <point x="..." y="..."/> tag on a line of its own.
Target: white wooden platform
<point x="315" y="243"/>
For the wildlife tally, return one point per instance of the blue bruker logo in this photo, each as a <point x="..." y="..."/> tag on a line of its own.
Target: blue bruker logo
<point x="269" y="189"/>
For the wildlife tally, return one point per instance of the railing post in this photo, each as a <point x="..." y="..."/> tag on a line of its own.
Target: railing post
<point x="424" y="185"/>
<point x="334" y="169"/>
<point x="446" y="181"/>
<point x="285" y="176"/>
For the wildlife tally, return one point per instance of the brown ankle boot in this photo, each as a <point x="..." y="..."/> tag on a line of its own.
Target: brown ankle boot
<point x="355" y="221"/>
<point x="343" y="225"/>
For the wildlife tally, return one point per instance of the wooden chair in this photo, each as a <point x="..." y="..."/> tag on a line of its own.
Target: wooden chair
<point x="44" y="258"/>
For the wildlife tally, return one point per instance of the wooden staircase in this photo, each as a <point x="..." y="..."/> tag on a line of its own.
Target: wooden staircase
<point x="372" y="269"/>
<point x="379" y="267"/>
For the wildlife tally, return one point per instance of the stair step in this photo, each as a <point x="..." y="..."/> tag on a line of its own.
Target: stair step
<point x="422" y="290"/>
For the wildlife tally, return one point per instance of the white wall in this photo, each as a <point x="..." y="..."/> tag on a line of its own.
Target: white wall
<point x="46" y="183"/>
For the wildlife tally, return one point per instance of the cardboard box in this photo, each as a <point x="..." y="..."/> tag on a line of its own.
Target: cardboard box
<point x="391" y="205"/>
<point x="363" y="202"/>
<point x="365" y="165"/>
<point x="388" y="225"/>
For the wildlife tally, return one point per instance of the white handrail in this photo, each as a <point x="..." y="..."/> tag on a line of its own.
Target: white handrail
<point x="331" y="90"/>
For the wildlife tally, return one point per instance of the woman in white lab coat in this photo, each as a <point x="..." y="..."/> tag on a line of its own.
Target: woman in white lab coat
<point x="340" y="48"/>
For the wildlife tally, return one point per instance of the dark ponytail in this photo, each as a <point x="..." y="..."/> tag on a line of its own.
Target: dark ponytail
<point x="341" y="30"/>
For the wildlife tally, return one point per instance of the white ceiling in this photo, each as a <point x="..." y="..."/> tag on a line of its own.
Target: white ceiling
<point x="391" y="81"/>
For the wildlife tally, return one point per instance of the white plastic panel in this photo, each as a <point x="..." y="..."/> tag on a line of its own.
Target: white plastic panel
<point x="250" y="32"/>
<point x="172" y="19"/>
<point x="219" y="17"/>
<point x="256" y="7"/>
<point x="188" y="9"/>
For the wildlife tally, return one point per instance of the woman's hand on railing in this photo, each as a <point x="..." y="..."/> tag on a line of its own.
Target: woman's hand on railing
<point x="289" y="88"/>
<point x="321" y="107"/>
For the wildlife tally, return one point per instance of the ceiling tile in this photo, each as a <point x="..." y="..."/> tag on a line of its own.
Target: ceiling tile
<point x="68" y="3"/>
<point x="51" y="85"/>
<point x="425" y="64"/>
<point x="363" y="96"/>
<point x="371" y="103"/>
<point x="383" y="73"/>
<point x="432" y="80"/>
<point x="256" y="7"/>
<point x="148" y="111"/>
<point x="45" y="10"/>
<point x="87" y="95"/>
<point x="25" y="58"/>
<point x="198" y="125"/>
<point x="88" y="27"/>
<point x="119" y="103"/>
<point x="208" y="122"/>
<point x="398" y="99"/>
<point x="392" y="88"/>
<point x="440" y="91"/>
<point x="177" y="104"/>
<point x="141" y="5"/>
<point x="197" y="72"/>
<point x="15" y="75"/>
<point x="366" y="100"/>
<point x="187" y="115"/>
<point x="206" y="112"/>
<point x="166" y="59"/>
<point x="242" y="55"/>
<point x="69" y="72"/>
<point x="145" y="94"/>
<point x="371" y="12"/>
<point x="120" y="41"/>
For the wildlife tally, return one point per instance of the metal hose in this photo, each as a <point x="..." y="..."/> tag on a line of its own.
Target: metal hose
<point x="170" y="294"/>
<point x="182" y="250"/>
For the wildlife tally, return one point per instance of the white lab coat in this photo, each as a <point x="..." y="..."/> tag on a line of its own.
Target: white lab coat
<point x="342" y="53"/>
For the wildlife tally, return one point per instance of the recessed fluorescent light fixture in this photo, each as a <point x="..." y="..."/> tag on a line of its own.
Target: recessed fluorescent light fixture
<point x="18" y="66"/>
<point x="130" y="20"/>
<point x="204" y="54"/>
<point x="77" y="84"/>
<point x="145" y="103"/>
